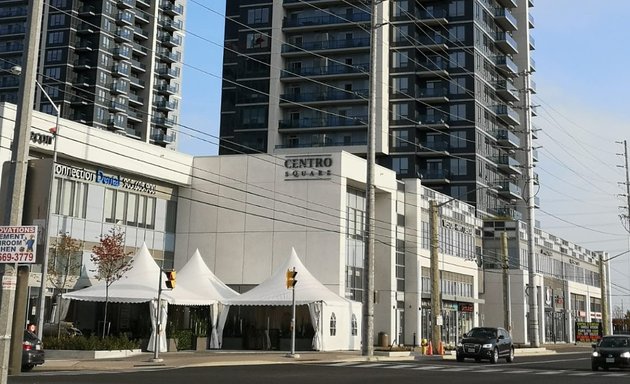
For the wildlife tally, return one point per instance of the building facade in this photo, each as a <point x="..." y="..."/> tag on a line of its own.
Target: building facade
<point x="450" y="89"/>
<point x="113" y="65"/>
<point x="567" y="276"/>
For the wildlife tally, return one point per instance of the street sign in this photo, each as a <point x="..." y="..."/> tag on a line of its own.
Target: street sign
<point x="18" y="244"/>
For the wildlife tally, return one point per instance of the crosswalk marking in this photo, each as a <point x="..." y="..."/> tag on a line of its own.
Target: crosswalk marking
<point x="476" y="369"/>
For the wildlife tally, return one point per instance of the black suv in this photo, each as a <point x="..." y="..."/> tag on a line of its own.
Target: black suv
<point x="486" y="343"/>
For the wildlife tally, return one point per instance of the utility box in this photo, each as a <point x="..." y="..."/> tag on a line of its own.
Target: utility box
<point x="383" y="339"/>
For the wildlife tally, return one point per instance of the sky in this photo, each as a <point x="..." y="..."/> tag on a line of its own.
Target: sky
<point x="582" y="86"/>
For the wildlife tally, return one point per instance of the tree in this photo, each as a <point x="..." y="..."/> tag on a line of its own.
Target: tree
<point x="64" y="263"/>
<point x="111" y="261"/>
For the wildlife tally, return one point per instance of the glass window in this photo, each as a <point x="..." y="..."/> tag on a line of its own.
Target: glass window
<point x="333" y="324"/>
<point x="401" y="85"/>
<point x="55" y="37"/>
<point x="400" y="139"/>
<point x="258" y="16"/>
<point x="456" y="8"/>
<point x="457" y="59"/>
<point x="458" y="139"/>
<point x="457" y="86"/>
<point x="109" y="205"/>
<point x="457" y="112"/>
<point x="150" y="209"/>
<point x="459" y="167"/>
<point x="401" y="33"/>
<point x="353" y="325"/>
<point x="53" y="55"/>
<point x="66" y="197"/>
<point x="132" y="209"/>
<point x="457" y="33"/>
<point x="119" y="214"/>
<point x="57" y="20"/>
<point x="257" y="40"/>
<point x="400" y="60"/>
<point x="400" y="165"/>
<point x="53" y="73"/>
<point x="400" y="111"/>
<point x="401" y="7"/>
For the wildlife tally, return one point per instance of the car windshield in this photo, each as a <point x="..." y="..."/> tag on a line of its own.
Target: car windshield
<point x="614" y="342"/>
<point x="486" y="333"/>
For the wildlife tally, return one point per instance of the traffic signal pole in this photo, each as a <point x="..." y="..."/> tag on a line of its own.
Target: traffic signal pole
<point x="291" y="282"/>
<point x="156" y="341"/>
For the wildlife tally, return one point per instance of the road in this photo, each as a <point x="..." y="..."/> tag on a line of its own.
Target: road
<point x="564" y="367"/>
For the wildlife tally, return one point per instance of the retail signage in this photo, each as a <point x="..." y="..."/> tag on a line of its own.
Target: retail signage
<point x="101" y="177"/>
<point x="18" y="244"/>
<point x="588" y="331"/>
<point x="40" y="138"/>
<point x="466" y="307"/>
<point x="457" y="227"/>
<point x="308" y="167"/>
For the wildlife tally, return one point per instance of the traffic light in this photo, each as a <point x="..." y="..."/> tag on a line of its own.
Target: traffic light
<point x="170" y="279"/>
<point x="291" y="278"/>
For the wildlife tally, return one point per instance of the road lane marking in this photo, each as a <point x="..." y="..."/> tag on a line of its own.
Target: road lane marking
<point x="428" y="367"/>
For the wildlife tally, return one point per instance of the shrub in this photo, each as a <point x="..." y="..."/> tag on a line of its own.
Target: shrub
<point x="183" y="339"/>
<point x="91" y="343"/>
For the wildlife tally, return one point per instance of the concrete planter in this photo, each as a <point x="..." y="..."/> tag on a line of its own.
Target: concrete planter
<point x="392" y="353"/>
<point x="60" y="354"/>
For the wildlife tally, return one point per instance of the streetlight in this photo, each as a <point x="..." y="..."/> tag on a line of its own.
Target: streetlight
<point x="436" y="292"/>
<point x="17" y="70"/>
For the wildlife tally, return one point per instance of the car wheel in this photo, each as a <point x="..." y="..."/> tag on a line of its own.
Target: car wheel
<point x="27" y="367"/>
<point x="494" y="358"/>
<point x="510" y="356"/>
<point x="594" y="367"/>
<point x="460" y="358"/>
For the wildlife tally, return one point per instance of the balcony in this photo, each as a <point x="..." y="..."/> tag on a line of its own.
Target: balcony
<point x="434" y="176"/>
<point x="433" y="121"/>
<point x="435" y="17"/>
<point x="315" y="21"/>
<point x="510" y="190"/>
<point x="532" y="43"/>
<point x="123" y="34"/>
<point x="431" y="69"/>
<point x="138" y="66"/>
<point x="115" y="124"/>
<point x="168" y="56"/>
<point x="171" y="25"/>
<point x="82" y="81"/>
<point x="167" y="89"/>
<point x="535" y="155"/>
<point x="530" y="21"/>
<point x="82" y="64"/>
<point x="508" y="213"/>
<point x="168" y="73"/>
<point x="346" y="44"/>
<point x="85" y="46"/>
<point x="123" y="53"/>
<point x="507" y="139"/>
<point x="435" y="148"/>
<point x="507" y="65"/>
<point x="119" y="70"/>
<point x="86" y="28"/>
<point x="165" y="105"/>
<point x="163" y="122"/>
<point x="135" y="99"/>
<point x="506" y="43"/>
<point x="507" y="91"/>
<point x="326" y="142"/>
<point x="84" y="11"/>
<point x="532" y="86"/>
<point x="508" y="164"/>
<point x="325" y="96"/>
<point x="532" y="64"/>
<point x="140" y="49"/>
<point x="125" y="18"/>
<point x="118" y="88"/>
<point x="505" y="19"/>
<point x="160" y="137"/>
<point x="433" y="42"/>
<point x="125" y="4"/>
<point x="326" y="70"/>
<point x="117" y="107"/>
<point x="433" y="95"/>
<point x="170" y="41"/>
<point x="139" y="32"/>
<point x="508" y="3"/>
<point x="358" y="122"/>
<point x="172" y="9"/>
<point x="136" y="82"/>
<point x="507" y="114"/>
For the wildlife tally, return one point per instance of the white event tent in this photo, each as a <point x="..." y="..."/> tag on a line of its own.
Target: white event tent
<point x="140" y="283"/>
<point x="335" y="319"/>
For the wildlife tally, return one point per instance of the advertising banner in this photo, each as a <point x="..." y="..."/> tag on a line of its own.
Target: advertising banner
<point x="18" y="244"/>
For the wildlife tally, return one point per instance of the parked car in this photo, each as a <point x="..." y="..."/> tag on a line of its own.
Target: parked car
<point x="611" y="351"/>
<point x="32" y="351"/>
<point x="486" y="343"/>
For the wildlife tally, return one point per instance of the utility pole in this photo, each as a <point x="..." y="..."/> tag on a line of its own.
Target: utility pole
<point x="12" y="310"/>
<point x="532" y="318"/>
<point x="436" y="299"/>
<point x="507" y="313"/>
<point x="367" y="348"/>
<point x="603" y="285"/>
<point x="626" y="218"/>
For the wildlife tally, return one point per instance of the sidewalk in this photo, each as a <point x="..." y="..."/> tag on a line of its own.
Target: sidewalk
<point x="227" y="358"/>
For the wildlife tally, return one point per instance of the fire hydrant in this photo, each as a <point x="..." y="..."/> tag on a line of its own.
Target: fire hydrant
<point x="424" y="344"/>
